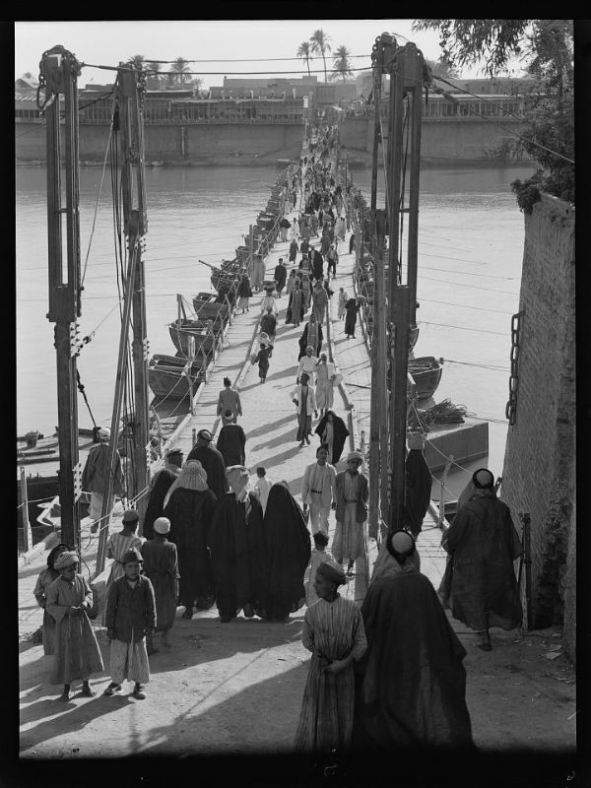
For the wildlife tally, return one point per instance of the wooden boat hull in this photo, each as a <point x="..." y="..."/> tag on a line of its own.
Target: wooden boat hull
<point x="171" y="380"/>
<point x="204" y="340"/>
<point x="426" y="372"/>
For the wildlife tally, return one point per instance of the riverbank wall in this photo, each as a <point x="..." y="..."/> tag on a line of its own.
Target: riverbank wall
<point x="539" y="463"/>
<point x="443" y="142"/>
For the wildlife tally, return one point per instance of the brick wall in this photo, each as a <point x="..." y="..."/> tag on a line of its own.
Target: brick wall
<point x="538" y="471"/>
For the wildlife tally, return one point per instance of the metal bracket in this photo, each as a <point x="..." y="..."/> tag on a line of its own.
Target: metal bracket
<point x="77" y="474"/>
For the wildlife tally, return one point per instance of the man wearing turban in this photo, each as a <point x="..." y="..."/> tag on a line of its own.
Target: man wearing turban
<point x="96" y="473"/>
<point x="238" y="549"/>
<point x="161" y="566"/>
<point x="411" y="682"/>
<point x="352" y="492"/>
<point x="212" y="461"/>
<point x="77" y="653"/>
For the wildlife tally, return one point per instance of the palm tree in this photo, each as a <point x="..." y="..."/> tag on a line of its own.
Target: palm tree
<point x="319" y="45"/>
<point x="178" y="71"/>
<point x="154" y="77"/>
<point x="304" y="53"/>
<point x="342" y="66"/>
<point x="137" y="61"/>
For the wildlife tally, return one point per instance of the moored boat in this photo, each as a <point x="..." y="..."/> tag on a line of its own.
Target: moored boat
<point x="171" y="377"/>
<point x="426" y="372"/>
<point x="201" y="330"/>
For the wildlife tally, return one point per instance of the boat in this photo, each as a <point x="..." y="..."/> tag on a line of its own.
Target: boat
<point x="208" y="308"/>
<point x="170" y="376"/>
<point x="40" y="456"/>
<point x="426" y="372"/>
<point x="201" y="330"/>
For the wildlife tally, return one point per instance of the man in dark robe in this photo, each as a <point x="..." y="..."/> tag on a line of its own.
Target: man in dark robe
<point x="339" y="435"/>
<point x="212" y="461"/>
<point x="159" y="486"/>
<point x="238" y="549"/>
<point x="412" y="684"/>
<point x="269" y="323"/>
<point x="418" y="489"/>
<point x="280" y="275"/>
<point x="231" y="443"/>
<point x="483" y="543"/>
<point x="311" y="335"/>
<point x="288" y="549"/>
<point x="317" y="263"/>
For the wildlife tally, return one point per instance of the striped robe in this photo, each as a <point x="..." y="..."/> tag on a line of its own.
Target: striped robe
<point x="77" y="653"/>
<point x="332" y="630"/>
<point x="118" y="544"/>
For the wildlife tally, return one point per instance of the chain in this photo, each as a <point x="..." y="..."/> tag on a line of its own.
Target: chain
<point x="511" y="407"/>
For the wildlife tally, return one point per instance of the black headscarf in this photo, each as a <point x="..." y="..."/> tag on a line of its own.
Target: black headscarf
<point x="340" y="433"/>
<point x="288" y="550"/>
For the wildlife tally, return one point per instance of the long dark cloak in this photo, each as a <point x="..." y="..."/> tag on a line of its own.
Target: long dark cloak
<point x="412" y="683"/>
<point x="190" y="513"/>
<point x="351" y="309"/>
<point x="340" y="433"/>
<point x="161" y="567"/>
<point x="418" y="489"/>
<point x="162" y="482"/>
<point x="483" y="544"/>
<point x="287" y="544"/>
<point x="213" y="462"/>
<point x="230" y="444"/>
<point x="303" y="341"/>
<point x="280" y="275"/>
<point x="238" y="555"/>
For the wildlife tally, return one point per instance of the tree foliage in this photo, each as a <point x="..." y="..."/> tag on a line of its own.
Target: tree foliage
<point x="341" y="68"/>
<point x="545" y="47"/>
<point x="304" y="53"/>
<point x="178" y="72"/>
<point x="319" y="45"/>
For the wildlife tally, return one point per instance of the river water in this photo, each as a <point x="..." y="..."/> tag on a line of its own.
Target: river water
<point x="470" y="256"/>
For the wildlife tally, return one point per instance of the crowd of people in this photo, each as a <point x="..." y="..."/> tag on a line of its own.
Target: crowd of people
<point x="385" y="675"/>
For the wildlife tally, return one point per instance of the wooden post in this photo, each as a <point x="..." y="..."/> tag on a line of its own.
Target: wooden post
<point x="377" y="97"/>
<point x="414" y="65"/>
<point x="398" y="408"/>
<point x="135" y="227"/>
<point x="442" y="491"/>
<point x="250" y="265"/>
<point x="26" y="526"/>
<point x="59" y="70"/>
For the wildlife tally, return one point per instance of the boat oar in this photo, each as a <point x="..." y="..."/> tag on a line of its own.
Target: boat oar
<point x="208" y="265"/>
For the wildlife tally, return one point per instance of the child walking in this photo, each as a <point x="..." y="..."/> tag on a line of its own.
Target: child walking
<point x="262" y="487"/>
<point x="77" y="653"/>
<point x="130" y="617"/>
<point x="262" y="359"/>
<point x="319" y="555"/>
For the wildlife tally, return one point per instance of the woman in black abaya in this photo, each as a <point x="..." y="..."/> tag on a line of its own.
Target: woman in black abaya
<point x="332" y="432"/>
<point x="288" y="549"/>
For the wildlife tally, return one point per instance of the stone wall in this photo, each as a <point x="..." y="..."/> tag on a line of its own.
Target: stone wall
<point x="222" y="143"/>
<point x="538" y="471"/>
<point x="442" y="141"/>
